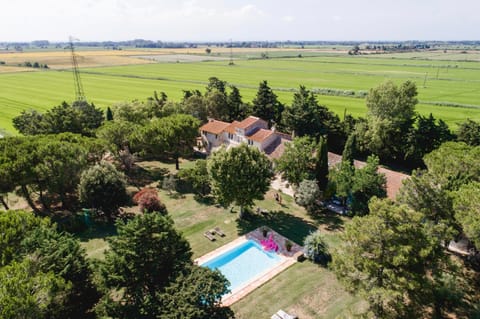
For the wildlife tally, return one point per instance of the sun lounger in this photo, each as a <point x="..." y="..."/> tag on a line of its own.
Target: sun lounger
<point x="275" y="316"/>
<point x="209" y="236"/>
<point x="218" y="231"/>
<point x="283" y="315"/>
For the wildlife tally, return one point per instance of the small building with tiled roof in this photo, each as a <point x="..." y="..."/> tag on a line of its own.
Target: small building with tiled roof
<point x="252" y="131"/>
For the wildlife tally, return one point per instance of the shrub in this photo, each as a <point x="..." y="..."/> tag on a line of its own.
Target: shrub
<point x="316" y="249"/>
<point x="307" y="192"/>
<point x="103" y="187"/>
<point x="149" y="201"/>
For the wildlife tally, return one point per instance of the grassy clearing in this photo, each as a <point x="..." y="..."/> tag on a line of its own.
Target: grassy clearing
<point x="438" y="81"/>
<point x="305" y="289"/>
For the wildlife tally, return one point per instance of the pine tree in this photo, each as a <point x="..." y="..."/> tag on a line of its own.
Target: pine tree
<point x="266" y="106"/>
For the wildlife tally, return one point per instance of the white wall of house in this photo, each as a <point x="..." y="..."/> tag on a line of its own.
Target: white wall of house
<point x="213" y="140"/>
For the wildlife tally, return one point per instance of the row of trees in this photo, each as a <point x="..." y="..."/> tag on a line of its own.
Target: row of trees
<point x="392" y="129"/>
<point x="147" y="273"/>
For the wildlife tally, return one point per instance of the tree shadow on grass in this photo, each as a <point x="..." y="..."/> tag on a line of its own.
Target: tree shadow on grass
<point x="290" y="226"/>
<point x="97" y="230"/>
<point x="322" y="216"/>
<point x="141" y="176"/>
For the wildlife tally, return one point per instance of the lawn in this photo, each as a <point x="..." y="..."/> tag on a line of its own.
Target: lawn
<point x="306" y="289"/>
<point x="453" y="83"/>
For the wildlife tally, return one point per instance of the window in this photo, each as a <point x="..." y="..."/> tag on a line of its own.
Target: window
<point x="250" y="142"/>
<point x="230" y="136"/>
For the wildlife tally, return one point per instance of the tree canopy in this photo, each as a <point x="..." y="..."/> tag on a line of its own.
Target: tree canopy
<point x="266" y="105"/>
<point x="148" y="273"/>
<point x="390" y="117"/>
<point x="239" y="175"/>
<point x="297" y="162"/>
<point x="384" y="256"/>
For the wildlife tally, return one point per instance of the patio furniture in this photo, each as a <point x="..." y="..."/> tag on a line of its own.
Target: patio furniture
<point x="219" y="232"/>
<point x="283" y="315"/>
<point x="209" y="236"/>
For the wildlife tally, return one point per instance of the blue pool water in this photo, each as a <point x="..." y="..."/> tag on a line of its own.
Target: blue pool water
<point x="243" y="263"/>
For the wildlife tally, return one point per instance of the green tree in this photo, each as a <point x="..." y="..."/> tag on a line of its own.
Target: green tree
<point x="349" y="151"/>
<point x="36" y="243"/>
<point x="266" y="105"/>
<point x="306" y="117"/>
<point x="143" y="259"/>
<point x="307" y="193"/>
<point x="198" y="177"/>
<point x="90" y="117"/>
<point x="423" y="193"/>
<point x="341" y="179"/>
<point x="29" y="122"/>
<point x="172" y="136"/>
<point x="469" y="132"/>
<point x="180" y="132"/>
<point x="46" y="166"/>
<point x="387" y="256"/>
<point x="367" y="183"/>
<point x="130" y="112"/>
<point x="427" y="136"/>
<point x="195" y="105"/>
<point x="62" y="254"/>
<point x="16" y="225"/>
<point x="103" y="187"/>
<point x="316" y="248"/>
<point x="298" y="161"/>
<point x="196" y="293"/>
<point x="239" y="175"/>
<point x="454" y="164"/>
<point x="59" y="166"/>
<point x="390" y="117"/>
<point x="215" y="83"/>
<point x="321" y="165"/>
<point x="26" y="292"/>
<point x="109" y="114"/>
<point x="237" y="109"/>
<point x="467" y="211"/>
<point x="217" y="105"/>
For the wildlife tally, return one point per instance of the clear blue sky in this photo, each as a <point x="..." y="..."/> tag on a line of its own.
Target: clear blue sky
<point x="220" y="20"/>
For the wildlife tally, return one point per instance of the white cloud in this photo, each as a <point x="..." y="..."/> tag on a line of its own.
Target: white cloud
<point x="288" y="19"/>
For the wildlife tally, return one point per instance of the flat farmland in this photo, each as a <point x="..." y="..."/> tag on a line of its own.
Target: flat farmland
<point x="448" y="88"/>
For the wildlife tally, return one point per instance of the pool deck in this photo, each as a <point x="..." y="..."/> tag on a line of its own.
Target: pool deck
<point x="288" y="259"/>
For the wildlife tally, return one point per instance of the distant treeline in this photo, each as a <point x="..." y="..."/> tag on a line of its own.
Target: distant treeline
<point x="142" y="43"/>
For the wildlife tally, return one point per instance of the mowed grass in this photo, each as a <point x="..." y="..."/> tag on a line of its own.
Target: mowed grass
<point x="306" y="289"/>
<point x="454" y="83"/>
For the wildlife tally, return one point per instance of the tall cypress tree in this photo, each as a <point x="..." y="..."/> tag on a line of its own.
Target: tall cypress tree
<point x="109" y="114"/>
<point x="321" y="167"/>
<point x="348" y="154"/>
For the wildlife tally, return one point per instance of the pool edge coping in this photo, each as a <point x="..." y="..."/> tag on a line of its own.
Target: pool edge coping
<point x="264" y="277"/>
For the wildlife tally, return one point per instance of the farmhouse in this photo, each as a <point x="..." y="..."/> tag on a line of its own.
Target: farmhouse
<point x="252" y="131"/>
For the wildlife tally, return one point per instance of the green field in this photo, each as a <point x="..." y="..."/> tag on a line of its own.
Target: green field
<point x="453" y="83"/>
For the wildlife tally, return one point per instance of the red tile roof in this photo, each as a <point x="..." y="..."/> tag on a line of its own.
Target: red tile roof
<point x="249" y="121"/>
<point x="394" y="179"/>
<point x="231" y="128"/>
<point x="261" y="135"/>
<point x="214" y="127"/>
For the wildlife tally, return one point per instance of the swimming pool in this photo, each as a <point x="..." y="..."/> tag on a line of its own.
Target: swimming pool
<point x="243" y="263"/>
